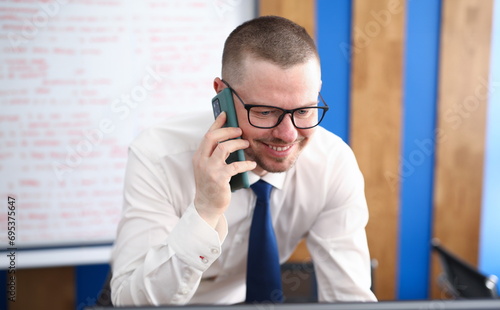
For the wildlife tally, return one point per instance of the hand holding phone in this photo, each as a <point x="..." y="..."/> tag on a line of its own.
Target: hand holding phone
<point x="223" y="101"/>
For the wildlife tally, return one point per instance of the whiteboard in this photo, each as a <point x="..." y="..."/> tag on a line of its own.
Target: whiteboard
<point x="78" y="81"/>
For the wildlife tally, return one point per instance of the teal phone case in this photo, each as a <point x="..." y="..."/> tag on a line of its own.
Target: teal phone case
<point x="223" y="101"/>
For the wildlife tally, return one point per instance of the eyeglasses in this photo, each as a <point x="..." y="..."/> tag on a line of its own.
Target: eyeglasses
<point x="266" y="117"/>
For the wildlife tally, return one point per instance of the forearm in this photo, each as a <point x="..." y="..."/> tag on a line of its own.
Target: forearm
<point x="171" y="268"/>
<point x="157" y="281"/>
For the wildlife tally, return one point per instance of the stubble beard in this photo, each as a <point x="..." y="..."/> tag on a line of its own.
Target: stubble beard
<point x="265" y="164"/>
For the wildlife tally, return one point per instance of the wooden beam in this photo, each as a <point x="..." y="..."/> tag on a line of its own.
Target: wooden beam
<point x="303" y="12"/>
<point x="376" y="101"/>
<point x="45" y="288"/>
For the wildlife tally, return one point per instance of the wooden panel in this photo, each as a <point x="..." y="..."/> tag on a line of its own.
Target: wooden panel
<point x="45" y="288"/>
<point x="463" y="90"/>
<point x="301" y="254"/>
<point x="376" y="101"/>
<point x="302" y="12"/>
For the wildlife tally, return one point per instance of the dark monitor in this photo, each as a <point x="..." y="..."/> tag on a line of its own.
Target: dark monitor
<point x="486" y="304"/>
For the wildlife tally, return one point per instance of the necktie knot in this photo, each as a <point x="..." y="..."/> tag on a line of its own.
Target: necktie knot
<point x="262" y="190"/>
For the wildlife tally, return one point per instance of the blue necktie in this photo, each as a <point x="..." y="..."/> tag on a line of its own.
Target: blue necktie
<point x="263" y="267"/>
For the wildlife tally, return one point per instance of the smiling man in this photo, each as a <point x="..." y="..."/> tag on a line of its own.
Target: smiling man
<point x="186" y="238"/>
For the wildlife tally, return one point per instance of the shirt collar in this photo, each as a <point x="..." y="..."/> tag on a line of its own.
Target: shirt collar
<point x="277" y="180"/>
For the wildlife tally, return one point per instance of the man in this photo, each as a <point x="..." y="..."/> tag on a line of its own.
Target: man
<point x="184" y="236"/>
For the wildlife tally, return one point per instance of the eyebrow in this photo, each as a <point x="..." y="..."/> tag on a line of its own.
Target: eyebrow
<point x="320" y="98"/>
<point x="273" y="106"/>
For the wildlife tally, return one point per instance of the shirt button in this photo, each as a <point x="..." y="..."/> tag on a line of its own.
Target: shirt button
<point x="183" y="291"/>
<point x="215" y="251"/>
<point x="204" y="260"/>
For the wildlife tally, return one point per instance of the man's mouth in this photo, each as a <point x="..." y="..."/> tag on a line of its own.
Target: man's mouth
<point x="279" y="148"/>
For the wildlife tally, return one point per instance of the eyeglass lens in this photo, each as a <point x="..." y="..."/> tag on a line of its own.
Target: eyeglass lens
<point x="270" y="116"/>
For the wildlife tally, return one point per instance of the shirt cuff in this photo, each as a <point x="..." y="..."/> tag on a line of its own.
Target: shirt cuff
<point x="195" y="242"/>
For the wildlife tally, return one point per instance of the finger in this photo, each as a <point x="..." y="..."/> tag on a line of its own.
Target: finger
<point x="223" y="149"/>
<point x="233" y="132"/>
<point x="217" y="136"/>
<point x="242" y="166"/>
<point x="220" y="120"/>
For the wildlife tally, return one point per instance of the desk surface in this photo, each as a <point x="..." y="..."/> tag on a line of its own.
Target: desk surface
<point x="383" y="305"/>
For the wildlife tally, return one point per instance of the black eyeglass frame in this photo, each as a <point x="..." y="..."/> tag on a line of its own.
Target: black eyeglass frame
<point x="285" y="111"/>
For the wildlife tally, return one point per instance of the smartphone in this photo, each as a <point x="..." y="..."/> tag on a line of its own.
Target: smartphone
<point x="223" y="101"/>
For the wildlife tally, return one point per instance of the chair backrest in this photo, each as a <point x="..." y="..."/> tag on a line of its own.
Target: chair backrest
<point x="299" y="282"/>
<point x="464" y="280"/>
<point x="104" y="296"/>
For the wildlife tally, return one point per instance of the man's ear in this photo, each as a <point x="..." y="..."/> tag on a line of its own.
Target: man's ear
<point x="218" y="85"/>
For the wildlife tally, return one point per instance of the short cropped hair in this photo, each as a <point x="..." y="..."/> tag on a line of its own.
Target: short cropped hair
<point x="270" y="38"/>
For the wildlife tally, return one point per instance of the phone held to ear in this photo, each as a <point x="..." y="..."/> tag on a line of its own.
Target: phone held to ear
<point x="223" y="101"/>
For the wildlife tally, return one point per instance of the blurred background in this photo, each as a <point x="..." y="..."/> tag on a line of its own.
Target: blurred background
<point x="413" y="86"/>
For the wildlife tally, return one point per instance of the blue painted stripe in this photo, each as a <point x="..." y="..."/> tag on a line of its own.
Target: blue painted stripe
<point x="489" y="246"/>
<point x="4" y="279"/>
<point x="90" y="280"/>
<point x="333" y="37"/>
<point x="419" y="139"/>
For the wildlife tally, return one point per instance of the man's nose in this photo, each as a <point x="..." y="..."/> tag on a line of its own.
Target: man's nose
<point x="286" y="131"/>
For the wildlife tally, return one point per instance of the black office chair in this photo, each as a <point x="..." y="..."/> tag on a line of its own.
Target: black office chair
<point x="104" y="297"/>
<point x="299" y="282"/>
<point x="460" y="279"/>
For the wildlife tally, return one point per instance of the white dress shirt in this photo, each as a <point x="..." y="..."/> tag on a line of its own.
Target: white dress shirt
<point x="165" y="253"/>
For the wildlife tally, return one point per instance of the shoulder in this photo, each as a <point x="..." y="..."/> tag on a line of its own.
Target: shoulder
<point x="178" y="134"/>
<point x="327" y="157"/>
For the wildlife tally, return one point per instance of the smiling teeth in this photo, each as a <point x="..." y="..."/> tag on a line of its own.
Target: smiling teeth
<point x="279" y="149"/>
